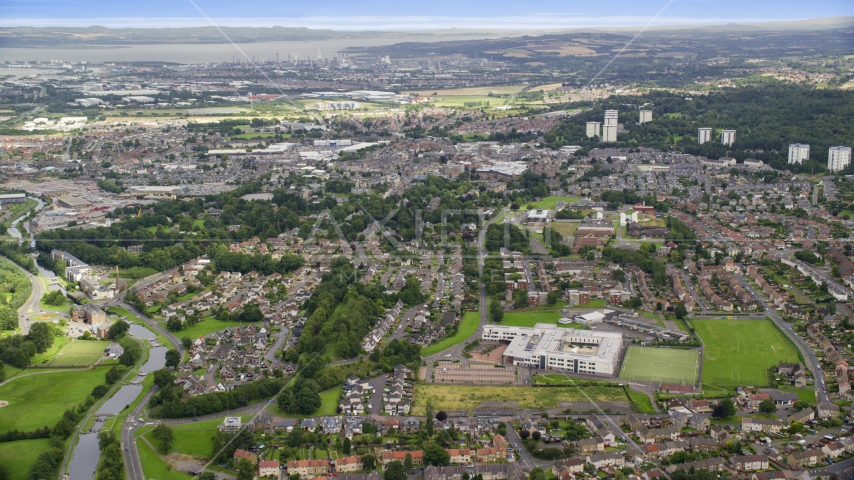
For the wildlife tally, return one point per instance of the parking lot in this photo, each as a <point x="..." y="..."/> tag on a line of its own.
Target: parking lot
<point x="450" y="372"/>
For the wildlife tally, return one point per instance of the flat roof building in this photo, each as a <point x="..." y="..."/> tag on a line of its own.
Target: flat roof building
<point x="547" y="346"/>
<point x="704" y="135"/>
<point x="12" y="198"/>
<point x="838" y="158"/>
<point x="798" y="153"/>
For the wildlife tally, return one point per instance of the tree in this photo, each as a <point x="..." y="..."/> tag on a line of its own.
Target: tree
<point x="394" y="471"/>
<point x="99" y="391"/>
<point x="112" y="376"/>
<point x="680" y="311"/>
<point x="767" y="406"/>
<point x="118" y="329"/>
<point x="345" y="447"/>
<point x="436" y="455"/>
<point x="536" y="435"/>
<point x="245" y="470"/>
<point x="187" y="342"/>
<point x="175" y="324"/>
<point x="524" y="434"/>
<point x="59" y="268"/>
<point x="724" y="409"/>
<point x="800" y="405"/>
<point x="163" y="378"/>
<point x="173" y="358"/>
<point x="441" y="416"/>
<point x="407" y="462"/>
<point x="207" y="476"/>
<point x="41" y="334"/>
<point x="369" y="462"/>
<point x="307" y="401"/>
<point x="796" y="427"/>
<point x="165" y="437"/>
<point x="538" y="474"/>
<point x="496" y="312"/>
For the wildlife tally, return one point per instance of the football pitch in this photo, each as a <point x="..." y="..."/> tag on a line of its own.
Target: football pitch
<point x="739" y="352"/>
<point x="646" y="364"/>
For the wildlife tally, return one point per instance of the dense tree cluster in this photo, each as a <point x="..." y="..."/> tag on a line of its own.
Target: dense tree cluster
<point x="16" y="283"/>
<point x="170" y="404"/>
<point x="767" y="119"/>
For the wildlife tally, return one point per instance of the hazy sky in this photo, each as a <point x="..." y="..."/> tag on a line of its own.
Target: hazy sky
<point x="402" y="14"/>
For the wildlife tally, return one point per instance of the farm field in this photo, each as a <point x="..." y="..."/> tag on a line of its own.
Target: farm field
<point x="468" y="325"/>
<point x="80" y="353"/>
<point x="458" y="397"/>
<point x="35" y="401"/>
<point x="549" y="203"/>
<point x="739" y="352"/>
<point x="18" y="457"/>
<point x="663" y="365"/>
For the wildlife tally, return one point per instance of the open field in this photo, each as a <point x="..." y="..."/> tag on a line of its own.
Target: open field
<point x="529" y="319"/>
<point x="549" y="203"/>
<point x="468" y="325"/>
<point x="739" y="352"/>
<point x="41" y="359"/>
<point x="645" y="364"/>
<point x="18" y="457"/>
<point x="154" y="467"/>
<point x="483" y="91"/>
<point x="208" y="326"/>
<point x="329" y="402"/>
<point x="40" y="400"/>
<point x="80" y="353"/>
<point x="458" y="397"/>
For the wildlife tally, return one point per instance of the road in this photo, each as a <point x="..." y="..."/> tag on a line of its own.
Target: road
<point x="176" y="342"/>
<point x="277" y="345"/>
<point x="133" y="466"/>
<point x="33" y="303"/>
<point x="526" y="460"/>
<point x="806" y="351"/>
<point x="696" y="296"/>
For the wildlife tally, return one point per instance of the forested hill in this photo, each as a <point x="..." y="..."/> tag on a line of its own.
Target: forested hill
<point x="767" y="119"/>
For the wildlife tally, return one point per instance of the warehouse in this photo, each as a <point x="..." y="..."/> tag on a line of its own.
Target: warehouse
<point x="10" y="198"/>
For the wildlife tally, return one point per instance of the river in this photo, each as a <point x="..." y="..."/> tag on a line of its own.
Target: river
<point x="86" y="454"/>
<point x="124" y="397"/>
<point x="210" y="53"/>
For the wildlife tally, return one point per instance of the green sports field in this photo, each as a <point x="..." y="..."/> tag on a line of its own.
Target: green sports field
<point x="739" y="352"/>
<point x="80" y="353"/>
<point x="646" y="364"/>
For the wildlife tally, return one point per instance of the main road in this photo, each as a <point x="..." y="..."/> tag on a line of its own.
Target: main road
<point x="806" y="351"/>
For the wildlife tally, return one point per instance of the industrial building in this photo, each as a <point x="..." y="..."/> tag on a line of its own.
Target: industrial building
<point x="549" y="347"/>
<point x="10" y="198"/>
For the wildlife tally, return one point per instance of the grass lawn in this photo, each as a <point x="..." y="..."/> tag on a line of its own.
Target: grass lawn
<point x="154" y="467"/>
<point x="664" y="365"/>
<point x="529" y="319"/>
<point x="807" y="395"/>
<point x="40" y="400"/>
<point x="549" y="203"/>
<point x="42" y="358"/>
<point x="468" y="326"/>
<point x="460" y="397"/>
<point x="206" y="327"/>
<point x="641" y="401"/>
<point x="329" y="402"/>
<point x="80" y="353"/>
<point x="18" y="457"/>
<point x="55" y="308"/>
<point x="739" y="352"/>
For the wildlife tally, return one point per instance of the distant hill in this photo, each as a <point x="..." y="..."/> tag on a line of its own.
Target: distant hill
<point x="99" y="35"/>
